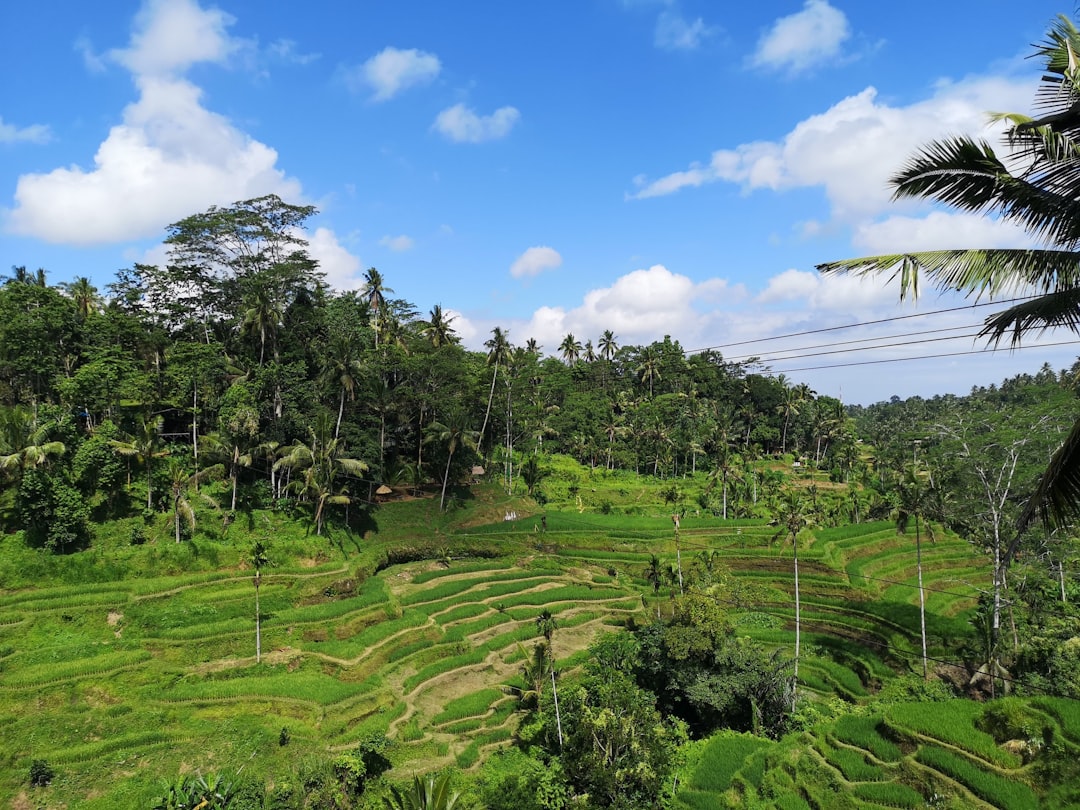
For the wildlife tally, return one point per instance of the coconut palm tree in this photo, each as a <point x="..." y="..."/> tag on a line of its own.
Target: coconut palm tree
<point x="84" y="294"/>
<point x="1033" y="185"/>
<point x="144" y="446"/>
<point x="607" y="345"/>
<point x="498" y="353"/>
<point x="322" y="461"/>
<point x="454" y="434"/>
<point x="24" y="442"/>
<point x="180" y="480"/>
<point x="570" y="348"/>
<point x="791" y="518"/>
<point x="259" y="560"/>
<point x="438" y="330"/>
<point x="375" y="291"/>
<point x="916" y="498"/>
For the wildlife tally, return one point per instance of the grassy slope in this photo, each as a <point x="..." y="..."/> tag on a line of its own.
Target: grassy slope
<point x="129" y="663"/>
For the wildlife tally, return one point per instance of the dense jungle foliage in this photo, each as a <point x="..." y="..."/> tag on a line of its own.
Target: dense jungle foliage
<point x="228" y="413"/>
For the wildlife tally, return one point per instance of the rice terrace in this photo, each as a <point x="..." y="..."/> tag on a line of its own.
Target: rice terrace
<point x="272" y="538"/>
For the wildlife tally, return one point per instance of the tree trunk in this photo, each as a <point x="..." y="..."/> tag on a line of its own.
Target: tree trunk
<point x="487" y="413"/>
<point x="798" y="624"/>
<point x="258" y="622"/>
<point x="446" y="477"/>
<point x="922" y="597"/>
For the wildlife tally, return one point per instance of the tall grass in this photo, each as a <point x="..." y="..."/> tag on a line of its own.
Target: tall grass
<point x="1000" y="792"/>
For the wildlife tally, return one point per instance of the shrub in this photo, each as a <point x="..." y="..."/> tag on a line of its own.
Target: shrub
<point x="41" y="773"/>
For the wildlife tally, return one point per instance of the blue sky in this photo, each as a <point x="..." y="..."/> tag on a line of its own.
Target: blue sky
<point x="647" y="166"/>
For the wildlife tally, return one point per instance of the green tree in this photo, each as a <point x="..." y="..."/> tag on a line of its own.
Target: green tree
<point x="791" y="518"/>
<point x="259" y="560"/>
<point x="916" y="499"/>
<point x="322" y="461"/>
<point x="144" y="446"/>
<point x="452" y="434"/>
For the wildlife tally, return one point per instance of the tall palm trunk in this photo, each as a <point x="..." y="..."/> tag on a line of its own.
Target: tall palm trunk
<point x="487" y="413"/>
<point x="922" y="596"/>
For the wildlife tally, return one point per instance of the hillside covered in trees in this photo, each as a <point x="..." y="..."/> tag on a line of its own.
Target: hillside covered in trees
<point x="445" y="543"/>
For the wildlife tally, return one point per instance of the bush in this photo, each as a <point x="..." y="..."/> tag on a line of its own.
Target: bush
<point x="41" y="773"/>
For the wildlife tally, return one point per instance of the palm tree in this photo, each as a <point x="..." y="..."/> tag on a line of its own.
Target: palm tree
<point x="546" y="625"/>
<point x="607" y="345"/>
<point x="144" y="446"/>
<point x="570" y="349"/>
<point x="179" y="482"/>
<point x="375" y="290"/>
<point x="438" y="330"/>
<point x="498" y="352"/>
<point x="342" y="368"/>
<point x="259" y="560"/>
<point x="263" y="316"/>
<point x="1033" y="186"/>
<point x="532" y="347"/>
<point x="432" y="793"/>
<point x="84" y="294"/>
<point x="791" y="518"/>
<point x="589" y="355"/>
<point x="454" y="433"/>
<point x="648" y="370"/>
<point x="915" y="499"/>
<point x="654" y="575"/>
<point x="323" y="460"/>
<point x="24" y="442"/>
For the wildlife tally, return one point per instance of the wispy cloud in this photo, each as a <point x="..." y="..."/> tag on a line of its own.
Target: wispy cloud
<point x="393" y="70"/>
<point x="463" y="125"/>
<point x="35" y="133"/>
<point x="535" y="261"/>
<point x="803" y="40"/>
<point x="398" y="244"/>
<point x="673" y="32"/>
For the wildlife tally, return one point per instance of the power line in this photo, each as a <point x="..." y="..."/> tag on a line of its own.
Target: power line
<point x="860" y="323"/>
<point x="920" y="333"/>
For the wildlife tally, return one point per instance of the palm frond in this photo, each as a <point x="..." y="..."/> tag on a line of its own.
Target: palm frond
<point x="999" y="271"/>
<point x="1056" y="500"/>
<point x="1059" y="308"/>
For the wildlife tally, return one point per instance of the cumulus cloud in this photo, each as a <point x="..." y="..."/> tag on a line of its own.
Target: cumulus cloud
<point x="341" y="267"/>
<point x="535" y="261"/>
<point x="462" y="125"/>
<point x="392" y="70"/>
<point x="172" y="35"/>
<point x="673" y="32"/>
<point x="167" y="157"/>
<point x="803" y="40"/>
<point x="35" y="133"/>
<point x="640" y="306"/>
<point x="851" y="149"/>
<point x="398" y="244"/>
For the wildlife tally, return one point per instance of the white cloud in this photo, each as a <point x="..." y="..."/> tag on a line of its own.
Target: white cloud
<point x="398" y="244"/>
<point x="462" y="125"/>
<point x="172" y="35"/>
<point x="675" y="33"/>
<point x="851" y="149"/>
<point x="169" y="155"/>
<point x="341" y="267"/>
<point x="803" y="40"/>
<point x="35" y="133"/>
<point x="286" y="51"/>
<point x="392" y="70"/>
<point x="535" y="261"/>
<point x="938" y="230"/>
<point x="640" y="306"/>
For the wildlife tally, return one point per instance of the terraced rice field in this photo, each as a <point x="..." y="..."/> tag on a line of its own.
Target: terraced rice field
<point x="155" y="676"/>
